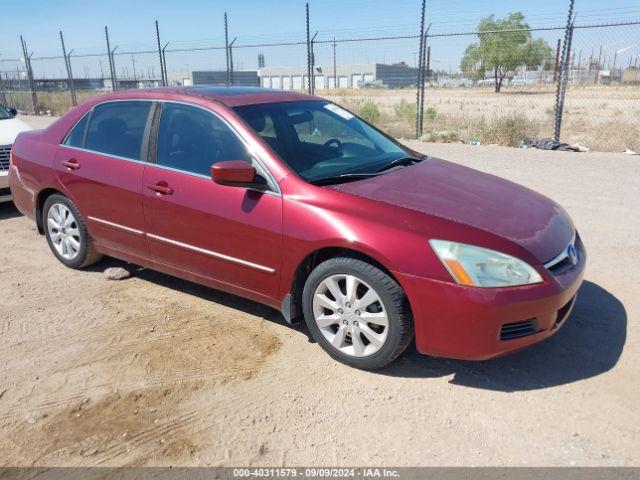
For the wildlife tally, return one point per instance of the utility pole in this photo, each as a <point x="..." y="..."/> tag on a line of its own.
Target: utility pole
<point x="67" y="62"/>
<point x="133" y="64"/>
<point x="599" y="58"/>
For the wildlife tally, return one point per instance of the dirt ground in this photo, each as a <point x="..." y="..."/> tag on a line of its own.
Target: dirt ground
<point x="157" y="371"/>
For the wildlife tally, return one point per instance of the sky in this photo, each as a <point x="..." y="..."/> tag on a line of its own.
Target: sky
<point x="199" y="23"/>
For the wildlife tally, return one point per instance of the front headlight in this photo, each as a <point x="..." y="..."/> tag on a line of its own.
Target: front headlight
<point x="481" y="267"/>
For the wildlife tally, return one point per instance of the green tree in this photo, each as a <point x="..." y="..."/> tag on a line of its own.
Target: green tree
<point x="502" y="52"/>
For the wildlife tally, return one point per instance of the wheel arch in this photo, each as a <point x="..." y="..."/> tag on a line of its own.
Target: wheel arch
<point x="292" y="302"/>
<point x="40" y="200"/>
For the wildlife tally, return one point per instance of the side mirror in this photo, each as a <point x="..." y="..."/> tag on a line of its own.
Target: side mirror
<point x="233" y="173"/>
<point x="13" y="112"/>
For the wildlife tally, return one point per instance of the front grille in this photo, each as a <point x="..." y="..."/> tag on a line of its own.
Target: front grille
<point x="509" y="331"/>
<point x="564" y="261"/>
<point x="5" y="153"/>
<point x="561" y="267"/>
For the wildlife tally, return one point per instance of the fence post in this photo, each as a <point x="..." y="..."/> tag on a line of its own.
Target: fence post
<point x="561" y="87"/>
<point x="67" y="62"/>
<point x="165" y="77"/>
<point x="424" y="73"/>
<point x="115" y="72"/>
<point x="308" y="52"/>
<point x="226" y="46"/>
<point x="231" y="60"/>
<point x="313" y="65"/>
<point x="3" y="97"/>
<point x="420" y="71"/>
<point x="556" y="63"/>
<point x="160" y="54"/>
<point x="32" y="83"/>
<point x="335" y="76"/>
<point x="112" y="65"/>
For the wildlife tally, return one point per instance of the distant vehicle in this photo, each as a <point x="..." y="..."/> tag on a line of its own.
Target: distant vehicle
<point x="290" y="200"/>
<point x="10" y="127"/>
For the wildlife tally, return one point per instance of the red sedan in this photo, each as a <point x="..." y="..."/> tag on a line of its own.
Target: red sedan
<point x="292" y="201"/>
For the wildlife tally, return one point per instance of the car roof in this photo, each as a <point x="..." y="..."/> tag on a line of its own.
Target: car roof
<point x="230" y="96"/>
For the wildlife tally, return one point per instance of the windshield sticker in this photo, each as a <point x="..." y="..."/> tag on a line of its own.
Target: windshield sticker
<point x="332" y="107"/>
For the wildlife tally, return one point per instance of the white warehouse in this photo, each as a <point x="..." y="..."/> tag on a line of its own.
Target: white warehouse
<point x="345" y="76"/>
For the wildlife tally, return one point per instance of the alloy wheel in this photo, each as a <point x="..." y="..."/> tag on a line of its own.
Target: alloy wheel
<point x="63" y="230"/>
<point x="350" y="315"/>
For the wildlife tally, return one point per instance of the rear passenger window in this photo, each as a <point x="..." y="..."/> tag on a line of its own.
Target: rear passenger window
<point x="192" y="139"/>
<point x="76" y="137"/>
<point x="117" y="128"/>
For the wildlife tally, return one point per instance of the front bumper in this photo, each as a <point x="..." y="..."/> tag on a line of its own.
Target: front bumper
<point x="5" y="193"/>
<point x="467" y="323"/>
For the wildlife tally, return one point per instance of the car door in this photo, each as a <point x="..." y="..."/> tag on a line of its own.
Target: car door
<point x="228" y="234"/>
<point x="100" y="164"/>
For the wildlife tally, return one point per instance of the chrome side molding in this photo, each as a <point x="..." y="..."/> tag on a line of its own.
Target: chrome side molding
<point x="186" y="246"/>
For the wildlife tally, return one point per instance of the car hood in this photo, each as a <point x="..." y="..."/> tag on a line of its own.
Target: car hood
<point x="463" y="195"/>
<point x="10" y="128"/>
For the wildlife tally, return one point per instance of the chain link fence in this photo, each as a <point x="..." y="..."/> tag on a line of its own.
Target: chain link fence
<point x="602" y="105"/>
<point x="498" y="83"/>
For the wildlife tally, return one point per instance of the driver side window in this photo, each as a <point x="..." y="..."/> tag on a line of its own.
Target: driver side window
<point x="192" y="139"/>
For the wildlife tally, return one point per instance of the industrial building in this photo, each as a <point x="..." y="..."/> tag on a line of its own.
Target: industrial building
<point x="340" y="76"/>
<point x="244" y="78"/>
<point x="295" y="78"/>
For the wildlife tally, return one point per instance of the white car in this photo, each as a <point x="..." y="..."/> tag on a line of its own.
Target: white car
<point x="10" y="127"/>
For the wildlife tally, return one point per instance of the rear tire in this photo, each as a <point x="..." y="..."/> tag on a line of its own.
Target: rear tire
<point x="357" y="313"/>
<point x="67" y="234"/>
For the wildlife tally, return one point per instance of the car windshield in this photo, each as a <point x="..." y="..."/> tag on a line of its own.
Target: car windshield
<point x="4" y="113"/>
<point x="320" y="140"/>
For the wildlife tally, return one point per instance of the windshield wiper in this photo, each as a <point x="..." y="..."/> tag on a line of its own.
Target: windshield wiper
<point x="405" y="161"/>
<point x="342" y="178"/>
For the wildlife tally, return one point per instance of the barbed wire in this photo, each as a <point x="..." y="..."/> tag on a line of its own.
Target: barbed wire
<point x="332" y="40"/>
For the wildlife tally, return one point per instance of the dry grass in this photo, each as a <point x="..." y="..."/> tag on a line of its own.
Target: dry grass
<point x="603" y="118"/>
<point x="55" y="103"/>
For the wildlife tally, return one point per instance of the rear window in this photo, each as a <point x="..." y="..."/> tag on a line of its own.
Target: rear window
<point x="117" y="128"/>
<point x="76" y="137"/>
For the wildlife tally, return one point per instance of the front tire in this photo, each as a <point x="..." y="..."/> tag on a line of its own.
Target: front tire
<point x="357" y="313"/>
<point x="67" y="234"/>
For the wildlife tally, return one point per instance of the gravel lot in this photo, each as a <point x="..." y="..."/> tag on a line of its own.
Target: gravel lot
<point x="157" y="371"/>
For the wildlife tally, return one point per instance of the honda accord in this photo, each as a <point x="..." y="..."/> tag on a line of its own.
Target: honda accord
<point x="295" y="202"/>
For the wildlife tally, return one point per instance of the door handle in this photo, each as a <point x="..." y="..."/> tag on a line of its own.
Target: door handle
<point x="71" y="164"/>
<point x="161" y="187"/>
